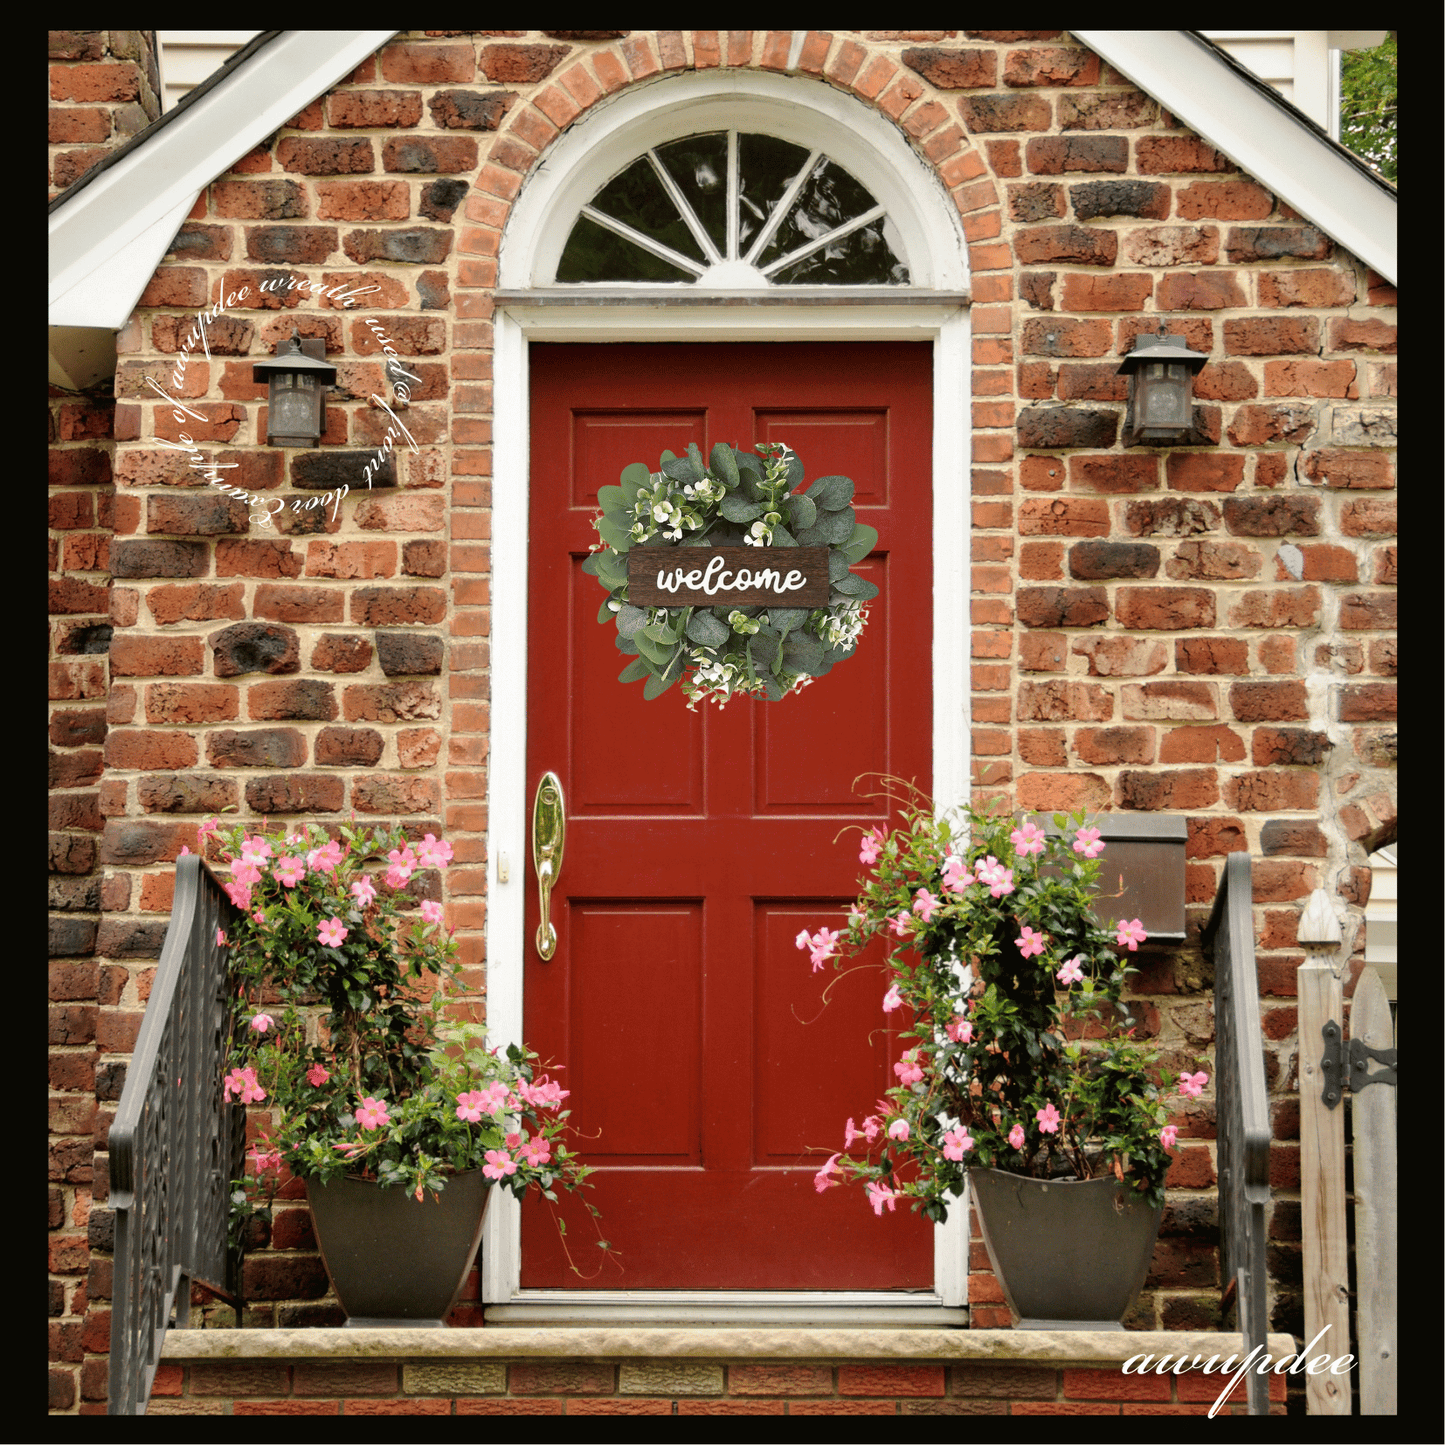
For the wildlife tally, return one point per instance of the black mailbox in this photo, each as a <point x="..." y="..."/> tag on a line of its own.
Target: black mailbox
<point x="1143" y="856"/>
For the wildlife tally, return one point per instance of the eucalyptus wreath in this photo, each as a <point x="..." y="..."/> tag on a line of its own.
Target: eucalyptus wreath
<point x="732" y="499"/>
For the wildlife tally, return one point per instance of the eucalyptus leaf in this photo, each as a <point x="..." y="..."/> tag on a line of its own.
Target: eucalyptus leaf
<point x="837" y="564"/>
<point x="802" y="653"/>
<point x="724" y="464"/>
<point x="784" y="619"/>
<point x="655" y="686"/>
<point x="705" y="629"/>
<point x="831" y="493"/>
<point x="630" y="618"/>
<point x="782" y="537"/>
<point x="795" y="471"/>
<point x="627" y="646"/>
<point x="635" y="478"/>
<point x="611" y="570"/>
<point x="763" y="648"/>
<point x="635" y="671"/>
<point x="613" y="499"/>
<point x="854" y="588"/>
<point x="802" y="510"/>
<point x="681" y="469"/>
<point x="772" y="688"/>
<point x="614" y="536"/>
<point x="591" y="562"/>
<point x="695" y="457"/>
<point x="605" y="612"/>
<point x="652" y="649"/>
<point x="736" y="509"/>
<point x="861" y="543"/>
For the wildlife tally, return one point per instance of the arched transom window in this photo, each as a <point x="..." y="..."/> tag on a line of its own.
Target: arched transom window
<point x="734" y="209"/>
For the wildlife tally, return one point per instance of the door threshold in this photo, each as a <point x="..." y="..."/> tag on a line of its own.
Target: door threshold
<point x="703" y="1309"/>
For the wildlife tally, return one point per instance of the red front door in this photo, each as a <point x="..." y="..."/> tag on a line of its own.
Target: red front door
<point x="705" y="1071"/>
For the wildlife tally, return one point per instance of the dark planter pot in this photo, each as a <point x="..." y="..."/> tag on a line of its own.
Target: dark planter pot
<point x="394" y="1260"/>
<point x="1070" y="1255"/>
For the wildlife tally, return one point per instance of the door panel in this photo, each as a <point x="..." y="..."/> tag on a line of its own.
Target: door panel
<point x="707" y="1077"/>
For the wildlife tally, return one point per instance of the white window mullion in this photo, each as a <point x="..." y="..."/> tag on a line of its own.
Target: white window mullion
<point x="783" y="207"/>
<point x="733" y="226"/>
<point x="666" y="253"/>
<point x="689" y="216"/>
<point x="857" y="224"/>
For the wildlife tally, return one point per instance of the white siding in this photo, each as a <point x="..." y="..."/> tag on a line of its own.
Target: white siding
<point x="187" y="57"/>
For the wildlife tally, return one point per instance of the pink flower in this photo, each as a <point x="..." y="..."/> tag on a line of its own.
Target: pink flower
<point x="499" y="1164"/>
<point x="372" y="1113"/>
<point x="871" y="1128"/>
<point x="825" y="945"/>
<point x="209" y="829"/>
<point x="185" y="851"/>
<point x="924" y="903"/>
<point x="364" y="891"/>
<point x="1027" y="839"/>
<point x="1088" y="842"/>
<point x="892" y="999"/>
<point x="901" y="923"/>
<point x="242" y="1084"/>
<point x="879" y="1195"/>
<point x="823" y="1179"/>
<point x="258" y="917"/>
<point x="849" y="1135"/>
<point x="1030" y="943"/>
<point x="1167" y="1135"/>
<point x="326" y="859"/>
<point x="1049" y="1119"/>
<point x="290" y="871"/>
<point x="1131" y="934"/>
<point x="469" y="1106"/>
<point x="804" y="939"/>
<point x="431" y="852"/>
<point x="245" y="873"/>
<point x="908" y="1069"/>
<point x="317" y="1075"/>
<point x="956" y="1142"/>
<point x="239" y="894"/>
<point x="262" y="1022"/>
<point x="898" y="1129"/>
<point x="221" y="938"/>
<point x="1071" y="972"/>
<point x="956" y="876"/>
<point x="403" y="863"/>
<point x="1192" y="1085"/>
<point x="960" y="1030"/>
<point x="998" y="879"/>
<point x="544" y="1094"/>
<point x="431" y="912"/>
<point x="870" y="847"/>
<point x="537" y="1152"/>
<point x="266" y="1161"/>
<point x="1016" y="1137"/>
<point x="331" y="933"/>
<point x="493" y="1098"/>
<point x="255" y="851"/>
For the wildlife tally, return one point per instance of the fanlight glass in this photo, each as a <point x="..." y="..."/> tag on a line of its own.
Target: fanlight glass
<point x="734" y="210"/>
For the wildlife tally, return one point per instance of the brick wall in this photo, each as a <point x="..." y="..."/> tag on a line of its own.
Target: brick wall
<point x="1206" y="630"/>
<point x="654" y="1386"/>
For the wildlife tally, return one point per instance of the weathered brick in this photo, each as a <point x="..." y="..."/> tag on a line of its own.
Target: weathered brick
<point x="255" y="647"/>
<point x="404" y="653"/>
<point x="1063" y="517"/>
<point x="293" y="793"/>
<point x="469" y="109"/>
<point x="430" y="155"/>
<point x="991" y="114"/>
<point x="1336" y="467"/>
<point x="1090" y="561"/>
<point x="1272" y="336"/>
<point x="348" y="747"/>
<point x="1368" y="702"/>
<point x="1057" y="155"/>
<point x="416" y="245"/>
<point x="1170" y="701"/>
<point x="1041" y="427"/>
<point x="1062" y="606"/>
<point x="1164" y="608"/>
<point x="1214" y="561"/>
<point x="382" y="606"/>
<point x="186" y="793"/>
<point x="301" y="698"/>
<point x="1272" y="516"/>
<point x="1272" y="791"/>
<point x="256" y="748"/>
<point x="1062" y="701"/>
<point x="1306" y="287"/>
<point x="1078" y="245"/>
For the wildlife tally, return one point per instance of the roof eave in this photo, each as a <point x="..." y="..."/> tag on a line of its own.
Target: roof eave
<point x="108" y="237"/>
<point x="1262" y="134"/>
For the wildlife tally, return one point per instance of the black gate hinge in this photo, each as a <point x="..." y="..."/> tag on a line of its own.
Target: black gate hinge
<point x="1350" y="1063"/>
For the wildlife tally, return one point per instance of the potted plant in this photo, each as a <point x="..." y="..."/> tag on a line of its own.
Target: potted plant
<point x="1025" y="1074"/>
<point x="399" y="1123"/>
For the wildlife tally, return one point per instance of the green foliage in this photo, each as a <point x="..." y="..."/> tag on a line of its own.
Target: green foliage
<point x="1369" y="106"/>
<point x="983" y="917"/>
<point x="733" y="497"/>
<point x="340" y="1037"/>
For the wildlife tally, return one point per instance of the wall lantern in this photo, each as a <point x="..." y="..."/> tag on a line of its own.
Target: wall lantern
<point x="297" y="378"/>
<point x="1161" y="371"/>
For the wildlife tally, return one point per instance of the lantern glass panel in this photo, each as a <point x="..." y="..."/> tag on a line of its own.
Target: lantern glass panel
<point x="1162" y="395"/>
<point x="293" y="406"/>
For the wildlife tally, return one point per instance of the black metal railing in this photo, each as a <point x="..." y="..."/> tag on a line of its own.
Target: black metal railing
<point x="175" y="1144"/>
<point x="1242" y="1109"/>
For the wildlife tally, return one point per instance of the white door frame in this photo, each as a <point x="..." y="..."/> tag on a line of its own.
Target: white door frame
<point x="579" y="161"/>
<point x="517" y="325"/>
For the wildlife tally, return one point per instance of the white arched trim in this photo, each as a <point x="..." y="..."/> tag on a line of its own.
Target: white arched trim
<point x="807" y="113"/>
<point x="527" y="313"/>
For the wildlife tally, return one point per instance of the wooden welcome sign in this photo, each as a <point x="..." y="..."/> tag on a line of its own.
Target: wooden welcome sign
<point x="727" y="576"/>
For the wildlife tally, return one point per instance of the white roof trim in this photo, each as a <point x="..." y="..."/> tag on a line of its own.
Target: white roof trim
<point x="107" y="240"/>
<point x="1260" y="135"/>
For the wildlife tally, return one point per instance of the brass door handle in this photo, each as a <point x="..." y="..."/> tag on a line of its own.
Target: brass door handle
<point x="549" y="834"/>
